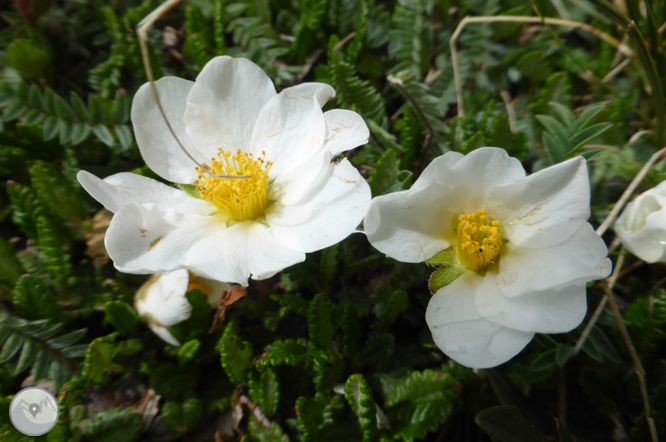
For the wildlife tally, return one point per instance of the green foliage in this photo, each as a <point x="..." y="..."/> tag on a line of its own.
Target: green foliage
<point x="236" y="354"/>
<point x="182" y="417"/>
<point x="122" y="316"/>
<point x="507" y="424"/>
<point x="198" y="322"/>
<point x="565" y="138"/>
<point x="385" y="174"/>
<point x="115" y="425"/>
<point x="320" y="321"/>
<point x="265" y="390"/>
<point x="33" y="300"/>
<point x="294" y="352"/>
<point x="360" y="399"/>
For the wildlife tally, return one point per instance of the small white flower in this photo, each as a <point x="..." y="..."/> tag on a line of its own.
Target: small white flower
<point x="232" y="120"/>
<point x="161" y="302"/>
<point x="522" y="245"/>
<point x="642" y="225"/>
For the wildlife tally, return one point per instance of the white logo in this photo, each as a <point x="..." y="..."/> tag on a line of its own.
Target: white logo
<point x="34" y="411"/>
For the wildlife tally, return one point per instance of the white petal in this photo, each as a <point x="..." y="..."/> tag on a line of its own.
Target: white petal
<point x="147" y="239"/>
<point x="244" y="249"/>
<point x="479" y="171"/>
<point x="550" y="311"/>
<point x="410" y="226"/>
<point x="545" y="208"/>
<point x="328" y="217"/>
<point x="463" y="335"/>
<point x="224" y="104"/>
<point x="162" y="298"/>
<point x="437" y="170"/>
<point x="642" y="225"/>
<point x="291" y="128"/>
<point x="581" y="258"/>
<point x="345" y="130"/>
<point x="122" y="188"/>
<point x="158" y="147"/>
<point x="164" y="334"/>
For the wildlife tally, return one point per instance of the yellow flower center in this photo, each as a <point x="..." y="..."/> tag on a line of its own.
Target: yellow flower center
<point x="239" y="199"/>
<point x="479" y="240"/>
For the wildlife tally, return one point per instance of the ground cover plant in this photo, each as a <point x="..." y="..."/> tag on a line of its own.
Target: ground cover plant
<point x="337" y="347"/>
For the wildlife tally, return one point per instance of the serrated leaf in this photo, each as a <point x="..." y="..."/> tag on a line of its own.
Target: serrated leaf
<point x="98" y="362"/>
<point x="103" y="134"/>
<point x="122" y="316"/>
<point x="115" y="425"/>
<point x="236" y="355"/>
<point x="57" y="263"/>
<point x="359" y="396"/>
<point x="295" y="352"/>
<point x="310" y="417"/>
<point x="385" y="173"/>
<point x="445" y="275"/>
<point x="507" y="424"/>
<point x="329" y="264"/>
<point x="10" y="267"/>
<point x="265" y="390"/>
<point x="397" y="303"/>
<point x="34" y="300"/>
<point x="182" y="417"/>
<point x="320" y="320"/>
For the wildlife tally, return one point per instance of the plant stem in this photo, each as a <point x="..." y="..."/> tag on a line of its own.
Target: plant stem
<point x="647" y="61"/>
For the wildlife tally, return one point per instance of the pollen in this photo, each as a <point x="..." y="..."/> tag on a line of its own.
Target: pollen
<point x="479" y="240"/>
<point x="237" y="199"/>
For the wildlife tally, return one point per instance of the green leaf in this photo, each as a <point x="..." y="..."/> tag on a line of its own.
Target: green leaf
<point x="445" y="275"/>
<point x="385" y="173"/>
<point x="11" y="347"/>
<point x="544" y="361"/>
<point x="351" y="332"/>
<point x="378" y="349"/>
<point x="359" y="396"/>
<point x="79" y="108"/>
<point x="320" y="321"/>
<point x="310" y="418"/>
<point x="397" y="303"/>
<point x="28" y="355"/>
<point x="115" y="425"/>
<point x="199" y="321"/>
<point x="122" y="316"/>
<point x="188" y="351"/>
<point x="120" y="110"/>
<point x="33" y="300"/>
<point x="98" y="362"/>
<point x="265" y="390"/>
<point x="28" y="58"/>
<point x="59" y="373"/>
<point x="41" y="365"/>
<point x="236" y="355"/>
<point x="50" y="128"/>
<point x="329" y="265"/>
<point x="182" y="417"/>
<point x="80" y="133"/>
<point x="56" y="192"/>
<point x="124" y="136"/>
<point x="96" y="111"/>
<point x="67" y="340"/>
<point x="35" y="97"/>
<point x="103" y="134"/>
<point x="507" y="424"/>
<point x="294" y="352"/>
<point x="10" y="267"/>
<point x="57" y="263"/>
<point x="62" y="108"/>
<point x="603" y="344"/>
<point x="563" y="353"/>
<point x="173" y="381"/>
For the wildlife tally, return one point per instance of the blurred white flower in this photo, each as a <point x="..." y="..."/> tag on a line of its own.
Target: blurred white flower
<point x="232" y="120"/>
<point x="642" y="225"/>
<point x="161" y="302"/>
<point x="521" y="249"/>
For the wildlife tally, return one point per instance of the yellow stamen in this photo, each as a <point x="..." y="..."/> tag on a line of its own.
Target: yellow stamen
<point x="239" y="199"/>
<point x="479" y="240"/>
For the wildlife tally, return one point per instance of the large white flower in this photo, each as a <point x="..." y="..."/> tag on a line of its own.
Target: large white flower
<point x="522" y="245"/>
<point x="162" y="302"/>
<point x="232" y="121"/>
<point x="642" y="225"/>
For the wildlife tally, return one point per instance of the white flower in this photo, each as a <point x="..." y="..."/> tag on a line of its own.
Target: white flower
<point x="642" y="225"/>
<point x="232" y="120"/>
<point x="162" y="301"/>
<point x="522" y="244"/>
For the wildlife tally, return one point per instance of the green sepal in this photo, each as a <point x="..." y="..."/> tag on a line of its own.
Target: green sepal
<point x="445" y="257"/>
<point x="444" y="276"/>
